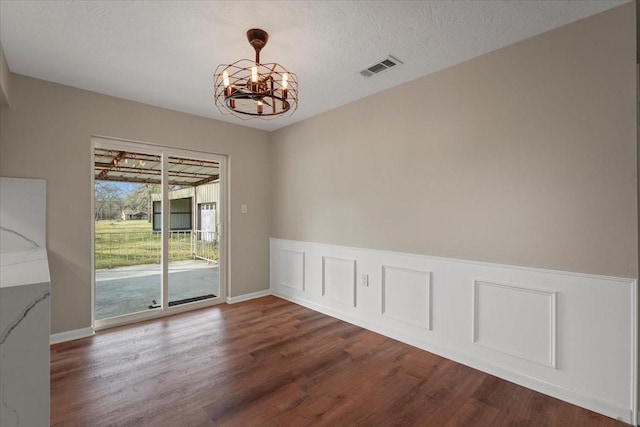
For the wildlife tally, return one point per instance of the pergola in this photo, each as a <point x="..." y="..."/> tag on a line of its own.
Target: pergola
<point x="127" y="166"/>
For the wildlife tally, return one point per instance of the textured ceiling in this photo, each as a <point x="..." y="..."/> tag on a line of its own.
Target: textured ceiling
<point x="164" y="53"/>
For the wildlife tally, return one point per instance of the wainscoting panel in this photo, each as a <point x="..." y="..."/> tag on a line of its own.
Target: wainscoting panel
<point x="568" y="335"/>
<point x="339" y="280"/>
<point x="406" y="296"/>
<point x="292" y="271"/>
<point x="516" y="320"/>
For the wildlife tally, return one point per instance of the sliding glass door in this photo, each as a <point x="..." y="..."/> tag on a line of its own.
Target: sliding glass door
<point x="158" y="215"/>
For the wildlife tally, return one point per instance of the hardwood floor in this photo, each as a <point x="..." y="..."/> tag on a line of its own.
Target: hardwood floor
<point x="269" y="362"/>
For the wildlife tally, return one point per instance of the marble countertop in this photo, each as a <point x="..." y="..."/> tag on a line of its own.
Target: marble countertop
<point x="25" y="267"/>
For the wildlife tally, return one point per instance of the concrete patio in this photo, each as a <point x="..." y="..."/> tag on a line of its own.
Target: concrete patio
<point x="128" y="290"/>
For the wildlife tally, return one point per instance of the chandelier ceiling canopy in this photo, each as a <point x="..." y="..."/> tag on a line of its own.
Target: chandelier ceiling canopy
<point x="249" y="89"/>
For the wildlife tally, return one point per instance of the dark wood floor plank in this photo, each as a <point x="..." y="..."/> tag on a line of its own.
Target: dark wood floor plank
<point x="268" y="362"/>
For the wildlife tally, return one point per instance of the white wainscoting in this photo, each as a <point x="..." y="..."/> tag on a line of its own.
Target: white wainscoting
<point x="516" y="320"/>
<point x="406" y="295"/>
<point x="339" y="280"/>
<point x="568" y="335"/>
<point x="294" y="276"/>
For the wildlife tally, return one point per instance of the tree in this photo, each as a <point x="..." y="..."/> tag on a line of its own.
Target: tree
<point x="140" y="197"/>
<point x="108" y="200"/>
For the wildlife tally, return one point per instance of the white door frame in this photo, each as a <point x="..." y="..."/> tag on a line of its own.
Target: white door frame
<point x="164" y="152"/>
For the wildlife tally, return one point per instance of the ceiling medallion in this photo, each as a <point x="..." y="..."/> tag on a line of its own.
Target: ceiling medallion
<point x="249" y="89"/>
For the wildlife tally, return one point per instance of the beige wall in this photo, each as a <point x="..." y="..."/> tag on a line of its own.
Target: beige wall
<point x="46" y="134"/>
<point x="524" y="156"/>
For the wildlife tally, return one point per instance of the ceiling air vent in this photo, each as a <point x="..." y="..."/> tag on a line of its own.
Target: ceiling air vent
<point x="380" y="66"/>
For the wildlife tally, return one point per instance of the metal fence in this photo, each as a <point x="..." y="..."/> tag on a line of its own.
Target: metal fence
<point x="134" y="248"/>
<point x="205" y="245"/>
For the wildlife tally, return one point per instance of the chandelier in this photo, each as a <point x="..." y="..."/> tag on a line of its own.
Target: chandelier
<point x="249" y="89"/>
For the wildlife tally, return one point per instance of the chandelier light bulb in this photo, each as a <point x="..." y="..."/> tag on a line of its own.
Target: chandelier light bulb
<point x="227" y="89"/>
<point x="285" y="83"/>
<point x="254" y="74"/>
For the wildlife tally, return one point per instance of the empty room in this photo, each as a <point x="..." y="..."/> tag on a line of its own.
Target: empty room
<point x="337" y="213"/>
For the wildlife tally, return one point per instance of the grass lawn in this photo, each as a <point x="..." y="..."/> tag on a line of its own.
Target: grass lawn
<point x="133" y="242"/>
<point x="117" y="226"/>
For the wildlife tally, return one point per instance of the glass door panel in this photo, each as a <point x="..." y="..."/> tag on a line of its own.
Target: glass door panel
<point x="127" y="243"/>
<point x="193" y="194"/>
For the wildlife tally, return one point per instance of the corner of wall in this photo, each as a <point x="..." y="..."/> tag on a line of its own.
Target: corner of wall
<point x="637" y="320"/>
<point x="637" y="4"/>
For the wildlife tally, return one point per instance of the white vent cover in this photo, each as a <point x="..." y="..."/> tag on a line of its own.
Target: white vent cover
<point x="380" y="66"/>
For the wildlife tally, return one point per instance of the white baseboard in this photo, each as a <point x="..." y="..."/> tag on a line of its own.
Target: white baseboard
<point x="567" y="335"/>
<point x="247" y="297"/>
<point x="71" y="335"/>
